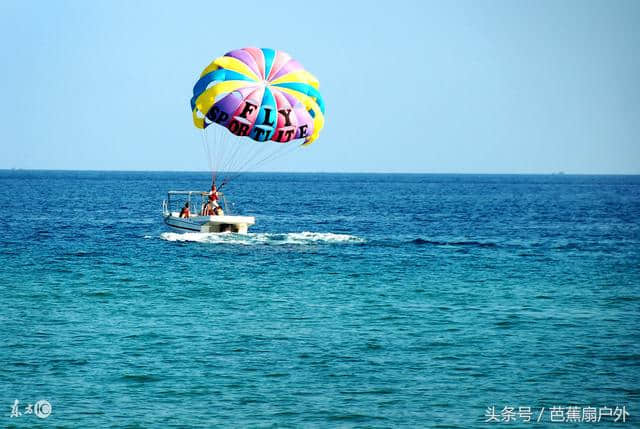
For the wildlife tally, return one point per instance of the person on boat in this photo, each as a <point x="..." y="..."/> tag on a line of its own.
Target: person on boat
<point x="185" y="210"/>
<point x="213" y="195"/>
<point x="207" y="210"/>
<point x="218" y="211"/>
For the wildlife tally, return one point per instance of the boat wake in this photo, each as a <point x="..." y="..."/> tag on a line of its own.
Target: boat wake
<point x="272" y="239"/>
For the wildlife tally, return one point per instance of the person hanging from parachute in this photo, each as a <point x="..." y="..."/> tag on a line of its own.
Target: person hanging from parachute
<point x="264" y="98"/>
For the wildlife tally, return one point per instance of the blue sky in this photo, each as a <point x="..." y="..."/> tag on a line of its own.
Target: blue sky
<point x="462" y="87"/>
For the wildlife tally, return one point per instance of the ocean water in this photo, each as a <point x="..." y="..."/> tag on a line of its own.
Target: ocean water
<point x="357" y="300"/>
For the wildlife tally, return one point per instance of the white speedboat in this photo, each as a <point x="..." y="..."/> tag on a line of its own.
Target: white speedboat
<point x="196" y="221"/>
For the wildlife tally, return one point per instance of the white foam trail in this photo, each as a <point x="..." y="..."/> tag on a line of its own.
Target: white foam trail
<point x="305" y="237"/>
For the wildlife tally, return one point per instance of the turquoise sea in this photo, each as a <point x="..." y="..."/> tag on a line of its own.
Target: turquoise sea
<point x="357" y="300"/>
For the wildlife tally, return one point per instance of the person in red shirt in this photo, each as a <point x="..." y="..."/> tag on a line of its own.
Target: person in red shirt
<point x="185" y="210"/>
<point x="213" y="195"/>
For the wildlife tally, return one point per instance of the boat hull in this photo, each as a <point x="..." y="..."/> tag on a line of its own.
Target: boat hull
<point x="238" y="224"/>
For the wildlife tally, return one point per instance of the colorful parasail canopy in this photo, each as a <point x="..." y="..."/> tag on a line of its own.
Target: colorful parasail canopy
<point x="263" y="94"/>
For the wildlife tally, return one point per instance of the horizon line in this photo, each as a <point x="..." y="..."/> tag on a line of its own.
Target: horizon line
<point x="556" y="173"/>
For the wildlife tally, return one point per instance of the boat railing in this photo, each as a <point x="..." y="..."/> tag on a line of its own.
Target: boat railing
<point x="204" y="196"/>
